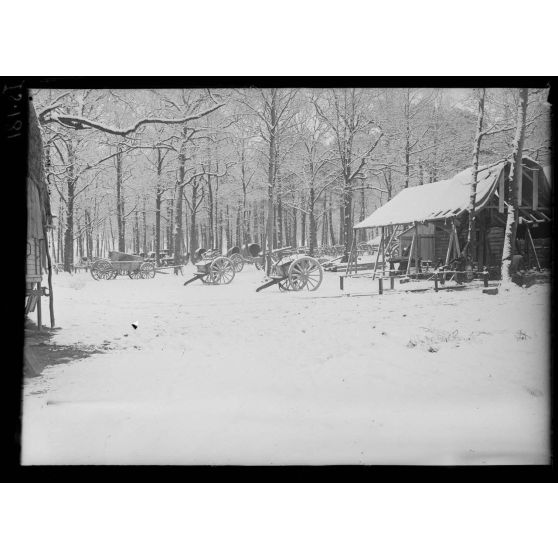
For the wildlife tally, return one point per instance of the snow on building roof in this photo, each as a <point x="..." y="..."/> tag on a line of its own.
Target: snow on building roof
<point x="438" y="200"/>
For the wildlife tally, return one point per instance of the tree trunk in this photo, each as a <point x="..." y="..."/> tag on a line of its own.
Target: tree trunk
<point x="471" y="236"/>
<point x="121" y="226"/>
<point x="271" y="174"/>
<point x="347" y="219"/>
<point x="69" y="231"/>
<point x="407" y="112"/>
<point x="193" y="224"/>
<point x="179" y="232"/>
<point x="158" y="198"/>
<point x="513" y="181"/>
<point x="144" y="249"/>
<point x="312" y="220"/>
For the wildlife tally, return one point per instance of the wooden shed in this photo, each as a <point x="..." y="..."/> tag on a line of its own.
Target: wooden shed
<point x="39" y="219"/>
<point x="431" y="220"/>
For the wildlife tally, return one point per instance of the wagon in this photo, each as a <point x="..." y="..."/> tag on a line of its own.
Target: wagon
<point x="120" y="263"/>
<point x="291" y="271"/>
<point x="212" y="269"/>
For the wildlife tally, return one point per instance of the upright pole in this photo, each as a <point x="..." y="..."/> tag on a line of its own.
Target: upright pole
<point x="411" y="252"/>
<point x="383" y="254"/>
<point x="378" y="254"/>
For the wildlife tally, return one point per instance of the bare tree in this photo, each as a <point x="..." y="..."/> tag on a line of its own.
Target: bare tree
<point x="513" y="182"/>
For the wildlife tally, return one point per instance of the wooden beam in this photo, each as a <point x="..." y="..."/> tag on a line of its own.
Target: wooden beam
<point x="411" y="251"/>
<point x="378" y="254"/>
<point x="501" y="193"/>
<point x="383" y="254"/>
<point x="450" y="244"/>
<point x="535" y="188"/>
<point x="458" y="250"/>
<point x="417" y="251"/>
<point x="533" y="248"/>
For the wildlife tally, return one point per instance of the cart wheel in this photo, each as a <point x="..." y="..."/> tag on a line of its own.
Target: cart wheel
<point x="259" y="266"/>
<point x="305" y="273"/>
<point x="134" y="273"/>
<point x="285" y="285"/>
<point x="221" y="271"/>
<point x="101" y="269"/>
<point x="147" y="270"/>
<point x="238" y="262"/>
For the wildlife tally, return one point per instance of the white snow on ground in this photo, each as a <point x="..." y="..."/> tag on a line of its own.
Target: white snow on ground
<point x="225" y="375"/>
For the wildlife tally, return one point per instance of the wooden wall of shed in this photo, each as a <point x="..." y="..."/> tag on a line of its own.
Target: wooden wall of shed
<point x="495" y="245"/>
<point x="441" y="243"/>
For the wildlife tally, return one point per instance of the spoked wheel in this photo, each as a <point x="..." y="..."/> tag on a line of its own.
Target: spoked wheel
<point x="305" y="273"/>
<point x="101" y="269"/>
<point x="134" y="273"/>
<point x="285" y="285"/>
<point x="221" y="271"/>
<point x="147" y="270"/>
<point x="259" y="265"/>
<point x="238" y="262"/>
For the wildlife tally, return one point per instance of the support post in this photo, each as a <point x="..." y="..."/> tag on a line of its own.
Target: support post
<point x="485" y="276"/>
<point x="411" y="252"/>
<point x="383" y="253"/>
<point x="378" y="255"/>
<point x="454" y="229"/>
<point x="450" y="245"/>
<point x="436" y="281"/>
<point x="39" y="311"/>
<point x="417" y="250"/>
<point x="341" y="278"/>
<point x="533" y="247"/>
<point x="380" y="285"/>
<point x="391" y="281"/>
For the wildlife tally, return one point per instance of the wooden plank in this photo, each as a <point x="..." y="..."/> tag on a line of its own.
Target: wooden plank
<point x="536" y="189"/>
<point x="417" y="251"/>
<point x="383" y="253"/>
<point x="411" y="251"/>
<point x="501" y="194"/>
<point x="378" y="253"/>
<point x="533" y="248"/>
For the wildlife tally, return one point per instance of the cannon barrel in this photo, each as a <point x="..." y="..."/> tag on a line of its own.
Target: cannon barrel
<point x="233" y="250"/>
<point x="251" y="250"/>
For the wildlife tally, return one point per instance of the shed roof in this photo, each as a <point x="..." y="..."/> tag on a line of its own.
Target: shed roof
<point x="438" y="200"/>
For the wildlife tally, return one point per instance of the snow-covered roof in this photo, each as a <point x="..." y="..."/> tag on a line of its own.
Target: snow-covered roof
<point x="438" y="200"/>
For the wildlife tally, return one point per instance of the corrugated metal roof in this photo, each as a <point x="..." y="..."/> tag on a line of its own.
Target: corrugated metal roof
<point x="438" y="200"/>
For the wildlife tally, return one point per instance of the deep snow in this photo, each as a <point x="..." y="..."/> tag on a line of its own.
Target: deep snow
<point x="225" y="375"/>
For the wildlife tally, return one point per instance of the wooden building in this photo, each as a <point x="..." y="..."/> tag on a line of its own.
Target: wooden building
<point x="430" y="222"/>
<point x="39" y="219"/>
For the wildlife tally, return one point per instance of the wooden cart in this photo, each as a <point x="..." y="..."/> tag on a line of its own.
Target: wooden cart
<point x="213" y="269"/>
<point x="120" y="263"/>
<point x="293" y="272"/>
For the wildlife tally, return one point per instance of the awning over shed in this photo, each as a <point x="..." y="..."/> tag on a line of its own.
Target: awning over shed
<point x="438" y="200"/>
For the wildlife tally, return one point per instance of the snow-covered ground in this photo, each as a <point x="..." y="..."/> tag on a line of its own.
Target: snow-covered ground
<point x="225" y="375"/>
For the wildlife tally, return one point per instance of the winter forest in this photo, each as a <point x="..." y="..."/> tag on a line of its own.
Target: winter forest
<point x="168" y="171"/>
<point x="384" y="219"/>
